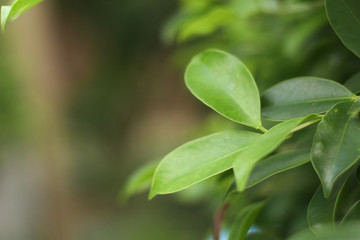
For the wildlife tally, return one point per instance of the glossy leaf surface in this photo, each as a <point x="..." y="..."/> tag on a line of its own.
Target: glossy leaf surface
<point x="198" y="160"/>
<point x="344" y="17"/>
<point x="17" y="8"/>
<point x="336" y="144"/>
<point x="277" y="163"/>
<point x="301" y="96"/>
<point x="244" y="220"/>
<point x="264" y="145"/>
<point x="222" y="82"/>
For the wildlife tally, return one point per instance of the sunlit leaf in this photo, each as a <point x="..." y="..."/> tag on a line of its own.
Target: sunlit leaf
<point x="222" y="82"/>
<point x="198" y="160"/>
<point x="344" y="17"/>
<point x="259" y="148"/>
<point x="302" y="96"/>
<point x="17" y="8"/>
<point x="336" y="144"/>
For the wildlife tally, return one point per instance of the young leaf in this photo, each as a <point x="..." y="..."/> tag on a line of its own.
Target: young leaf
<point x="17" y="8"/>
<point x="244" y="220"/>
<point x="262" y="146"/>
<point x="353" y="83"/>
<point x="140" y="180"/>
<point x="344" y="17"/>
<point x="222" y="82"/>
<point x="277" y="163"/>
<point x="198" y="160"/>
<point x="336" y="144"/>
<point x="301" y="96"/>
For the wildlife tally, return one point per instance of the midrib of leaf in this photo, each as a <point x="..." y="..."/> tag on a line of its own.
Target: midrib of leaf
<point x="205" y="165"/>
<point x="312" y="101"/>
<point x="337" y="154"/>
<point x="246" y="112"/>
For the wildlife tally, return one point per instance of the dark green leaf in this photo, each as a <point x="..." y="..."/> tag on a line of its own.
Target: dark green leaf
<point x="17" y="8"/>
<point x="353" y="215"/>
<point x="320" y="211"/>
<point x="336" y="144"/>
<point x="244" y="220"/>
<point x="262" y="146"/>
<point x="353" y="83"/>
<point x="277" y="163"/>
<point x="344" y="17"/>
<point x="198" y="160"/>
<point x="222" y="82"/>
<point x="301" y="96"/>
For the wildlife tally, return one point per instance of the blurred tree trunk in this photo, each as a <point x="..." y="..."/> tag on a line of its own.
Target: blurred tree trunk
<point x="37" y="50"/>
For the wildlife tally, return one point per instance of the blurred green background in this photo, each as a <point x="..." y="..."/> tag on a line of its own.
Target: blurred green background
<point x="92" y="90"/>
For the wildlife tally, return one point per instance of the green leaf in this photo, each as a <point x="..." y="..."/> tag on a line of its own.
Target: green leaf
<point x="277" y="163"/>
<point x="336" y="144"/>
<point x="17" y="8"/>
<point x="355" y="108"/>
<point x="301" y="96"/>
<point x="344" y="17"/>
<point x="262" y="146"/>
<point x="139" y="180"/>
<point x="198" y="160"/>
<point x="353" y="215"/>
<point x="244" y="220"/>
<point x="346" y="232"/>
<point x="320" y="211"/>
<point x="353" y="83"/>
<point x="222" y="82"/>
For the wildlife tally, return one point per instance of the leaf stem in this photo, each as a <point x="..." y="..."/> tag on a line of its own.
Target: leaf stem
<point x="264" y="130"/>
<point x="306" y="124"/>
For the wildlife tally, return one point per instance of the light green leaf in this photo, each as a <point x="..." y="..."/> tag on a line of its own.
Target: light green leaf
<point x="139" y="180"/>
<point x="353" y="83"/>
<point x="206" y="23"/>
<point x="17" y="8"/>
<point x="301" y="96"/>
<point x="222" y="82"/>
<point x="259" y="148"/>
<point x="277" y="163"/>
<point x="244" y="220"/>
<point x="336" y="145"/>
<point x="344" y="17"/>
<point x="198" y="160"/>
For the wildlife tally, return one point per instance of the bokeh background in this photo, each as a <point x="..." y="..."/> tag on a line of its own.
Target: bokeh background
<point x="90" y="91"/>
